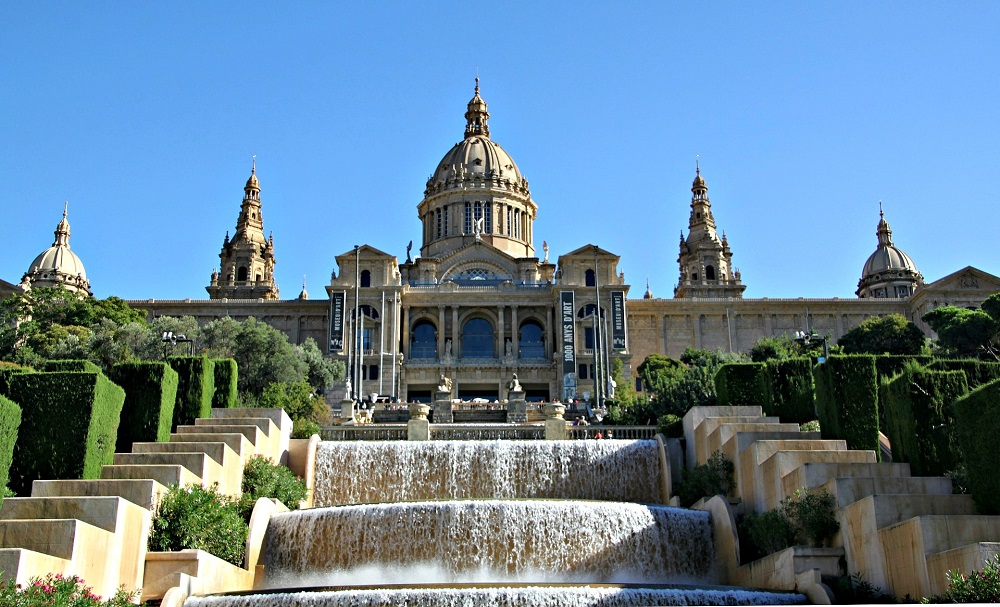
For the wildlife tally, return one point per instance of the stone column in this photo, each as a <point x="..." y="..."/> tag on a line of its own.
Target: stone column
<point x="501" y="329"/>
<point x="454" y="331"/>
<point x="514" y="328"/>
<point x="418" y="428"/>
<point x="405" y="332"/>
<point x="443" y="408"/>
<point x="517" y="408"/>
<point x="441" y="342"/>
<point x="347" y="411"/>
<point x="555" y="425"/>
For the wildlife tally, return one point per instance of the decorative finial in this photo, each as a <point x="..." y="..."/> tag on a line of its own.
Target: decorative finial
<point x="880" y="213"/>
<point x="697" y="166"/>
<point x="253" y="167"/>
<point x="303" y="282"/>
<point x="65" y="209"/>
<point x="477" y="84"/>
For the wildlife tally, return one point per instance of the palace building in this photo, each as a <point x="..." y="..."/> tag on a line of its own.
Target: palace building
<point x="480" y="304"/>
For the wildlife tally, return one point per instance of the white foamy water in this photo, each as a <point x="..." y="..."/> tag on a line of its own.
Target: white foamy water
<point x="506" y="597"/>
<point x="361" y="472"/>
<point x="489" y="541"/>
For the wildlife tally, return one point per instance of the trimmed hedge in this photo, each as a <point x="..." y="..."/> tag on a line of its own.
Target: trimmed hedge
<point x="918" y="405"/>
<point x="69" y="364"/>
<point x="742" y="384"/>
<point x="7" y="372"/>
<point x="150" y="394"/>
<point x="977" y="424"/>
<point x="226" y="374"/>
<point x="195" y="388"/>
<point x="847" y="400"/>
<point x="10" y="420"/>
<point x="68" y="427"/>
<point x="977" y="372"/>
<point x="792" y="389"/>
<point x="890" y="365"/>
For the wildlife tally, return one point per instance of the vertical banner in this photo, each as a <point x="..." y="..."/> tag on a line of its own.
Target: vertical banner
<point x="337" y="321"/>
<point x="618" y="320"/>
<point x="567" y="316"/>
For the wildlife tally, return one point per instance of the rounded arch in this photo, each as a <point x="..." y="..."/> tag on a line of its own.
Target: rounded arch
<point x="423" y="339"/>
<point x="588" y="310"/>
<point x="477" y="272"/>
<point x="478" y="339"/>
<point x="709" y="272"/>
<point x="242" y="273"/>
<point x="531" y="339"/>
<point x="589" y="278"/>
<point x="369" y="312"/>
<point x="366" y="278"/>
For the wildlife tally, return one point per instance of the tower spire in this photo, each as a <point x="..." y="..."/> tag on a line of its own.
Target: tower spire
<point x="477" y="116"/>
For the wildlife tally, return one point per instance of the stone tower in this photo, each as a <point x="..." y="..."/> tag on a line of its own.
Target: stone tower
<point x="247" y="268"/>
<point x="705" y="260"/>
<point x="889" y="272"/>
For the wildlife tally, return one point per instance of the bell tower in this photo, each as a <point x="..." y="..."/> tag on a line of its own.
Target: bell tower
<point x="247" y="261"/>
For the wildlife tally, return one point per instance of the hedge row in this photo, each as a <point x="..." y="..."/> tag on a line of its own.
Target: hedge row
<point x="7" y="372"/>
<point x="977" y="372"/>
<point x="225" y="396"/>
<point x="195" y="388"/>
<point x="847" y="400"/>
<point x="977" y="424"/>
<point x="919" y="410"/>
<point x="742" y="384"/>
<point x="68" y="427"/>
<point x="890" y="365"/>
<point x="84" y="366"/>
<point x="10" y="419"/>
<point x="150" y="395"/>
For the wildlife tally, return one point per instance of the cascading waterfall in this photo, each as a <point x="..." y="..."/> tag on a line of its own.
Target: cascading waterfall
<point x="372" y="472"/>
<point x="507" y="523"/>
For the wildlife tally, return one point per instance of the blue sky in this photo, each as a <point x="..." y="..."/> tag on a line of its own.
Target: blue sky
<point x="145" y="116"/>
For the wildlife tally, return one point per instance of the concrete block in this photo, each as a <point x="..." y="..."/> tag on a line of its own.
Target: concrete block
<point x="710" y="424"/>
<point x="253" y="434"/>
<point x="693" y="418"/>
<point x="278" y="416"/>
<point x="235" y="440"/>
<point x="141" y="492"/>
<point x="206" y="574"/>
<point x="736" y="449"/>
<point x="778" y="571"/>
<point x="768" y="488"/>
<point x="271" y="445"/>
<point x="716" y="436"/>
<point x="18" y="565"/>
<point x="847" y="490"/>
<point x="969" y="558"/>
<point x="815" y="474"/>
<point x="199" y="463"/>
<point x="230" y="463"/>
<point x="164" y="474"/>
<point x="84" y="545"/>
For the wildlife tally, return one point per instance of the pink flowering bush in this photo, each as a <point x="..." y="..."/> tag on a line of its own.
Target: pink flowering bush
<point x="57" y="590"/>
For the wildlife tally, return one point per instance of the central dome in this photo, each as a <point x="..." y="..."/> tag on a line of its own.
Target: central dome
<point x="478" y="157"/>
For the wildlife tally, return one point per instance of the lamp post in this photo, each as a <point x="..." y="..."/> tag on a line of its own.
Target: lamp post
<point x="805" y="338"/>
<point x="169" y="338"/>
<point x="599" y="372"/>
<point x="357" y="320"/>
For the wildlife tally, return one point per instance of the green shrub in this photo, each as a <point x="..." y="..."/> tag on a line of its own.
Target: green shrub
<point x="195" y="388"/>
<point x="890" y="365"/>
<point x="763" y="534"/>
<point x="304" y="428"/>
<point x="10" y="420"/>
<point x="977" y="587"/>
<point x="69" y="425"/>
<point x="977" y="372"/>
<point x="9" y="370"/>
<point x="847" y="400"/>
<point x="714" y="477"/>
<point x="791" y="390"/>
<point x="742" y="384"/>
<point x="810" y="426"/>
<point x="977" y="423"/>
<point x="150" y="394"/>
<point x="671" y="425"/>
<point x="812" y="516"/>
<point x="57" y="590"/>
<point x="202" y="519"/>
<point x="264" y="478"/>
<point x="920" y="419"/>
<point x="226" y="377"/>
<point x="71" y="365"/>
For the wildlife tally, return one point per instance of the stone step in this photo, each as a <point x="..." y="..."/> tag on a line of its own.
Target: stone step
<point x="967" y="558"/>
<point x="83" y="545"/>
<point x="900" y="552"/>
<point x="847" y="490"/>
<point x="164" y="474"/>
<point x="231" y="466"/>
<point x="234" y="440"/>
<point x="746" y="459"/>
<point x="816" y="474"/>
<point x="199" y="463"/>
<point x="20" y="565"/>
<point x="717" y="437"/>
<point x="141" y="492"/>
<point x="269" y="446"/>
<point x="704" y="430"/>
<point x="280" y="418"/>
<point x="768" y="490"/>
<point x="696" y="415"/>
<point x="253" y="434"/>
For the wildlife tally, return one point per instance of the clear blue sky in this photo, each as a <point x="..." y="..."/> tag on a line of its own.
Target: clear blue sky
<point x="805" y="114"/>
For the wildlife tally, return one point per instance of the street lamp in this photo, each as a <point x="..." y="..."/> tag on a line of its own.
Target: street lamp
<point x="806" y="338"/>
<point x="169" y="338"/>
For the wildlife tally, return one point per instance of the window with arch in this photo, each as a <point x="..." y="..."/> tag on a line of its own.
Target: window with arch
<point x="709" y="273"/>
<point x="531" y="340"/>
<point x="423" y="340"/>
<point x="366" y="278"/>
<point x="590" y="278"/>
<point x="242" y="273"/>
<point x="588" y="310"/>
<point x="477" y="339"/>
<point x="368" y="311"/>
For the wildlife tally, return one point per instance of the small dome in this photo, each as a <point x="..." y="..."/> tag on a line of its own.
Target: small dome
<point x="58" y="265"/>
<point x="888" y="272"/>
<point x="888" y="259"/>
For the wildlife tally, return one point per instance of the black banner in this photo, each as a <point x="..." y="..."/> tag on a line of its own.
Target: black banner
<point x="337" y="321"/>
<point x="618" y="320"/>
<point x="567" y="316"/>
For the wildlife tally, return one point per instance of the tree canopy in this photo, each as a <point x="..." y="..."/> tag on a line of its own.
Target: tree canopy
<point x="889" y="334"/>
<point x="964" y="332"/>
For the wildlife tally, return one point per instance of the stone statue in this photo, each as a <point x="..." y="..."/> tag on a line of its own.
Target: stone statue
<point x="347" y="388"/>
<point x="545" y="247"/>
<point x="409" y="248"/>
<point x="509" y="350"/>
<point x="513" y="385"/>
<point x="477" y="227"/>
<point x="444" y="385"/>
<point x="447" y="348"/>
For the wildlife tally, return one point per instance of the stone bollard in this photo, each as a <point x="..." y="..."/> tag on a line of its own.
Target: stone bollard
<point x="443" y="408"/>
<point x="347" y="406"/>
<point x="555" y="425"/>
<point x="418" y="428"/>
<point x="517" y="409"/>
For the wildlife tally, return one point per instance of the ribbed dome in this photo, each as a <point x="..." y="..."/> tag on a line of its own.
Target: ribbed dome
<point x="888" y="259"/>
<point x="477" y="156"/>
<point x="888" y="272"/>
<point x="58" y="265"/>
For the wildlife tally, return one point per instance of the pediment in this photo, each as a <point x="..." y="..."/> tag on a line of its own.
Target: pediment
<point x="478" y="259"/>
<point x="968" y="279"/>
<point x="7" y="288"/>
<point x="588" y="251"/>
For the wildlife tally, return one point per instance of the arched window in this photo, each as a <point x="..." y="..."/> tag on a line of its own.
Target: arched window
<point x="366" y="310"/>
<point x="531" y="340"/>
<point x="241" y="273"/>
<point x="590" y="278"/>
<point x="366" y="278"/>
<point x="477" y="339"/>
<point x="588" y="310"/>
<point x="423" y="340"/>
<point x="709" y="273"/>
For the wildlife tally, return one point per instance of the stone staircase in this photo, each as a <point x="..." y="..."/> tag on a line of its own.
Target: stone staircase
<point x="900" y="533"/>
<point x="98" y="529"/>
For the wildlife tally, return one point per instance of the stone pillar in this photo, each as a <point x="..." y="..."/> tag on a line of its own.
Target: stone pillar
<point x="454" y="331"/>
<point x="514" y="330"/>
<point x="442" y="341"/>
<point x="517" y="408"/>
<point x="418" y="428"/>
<point x="443" y="408"/>
<point x="501" y="330"/>
<point x="347" y="411"/>
<point x="405" y="331"/>
<point x="555" y="425"/>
